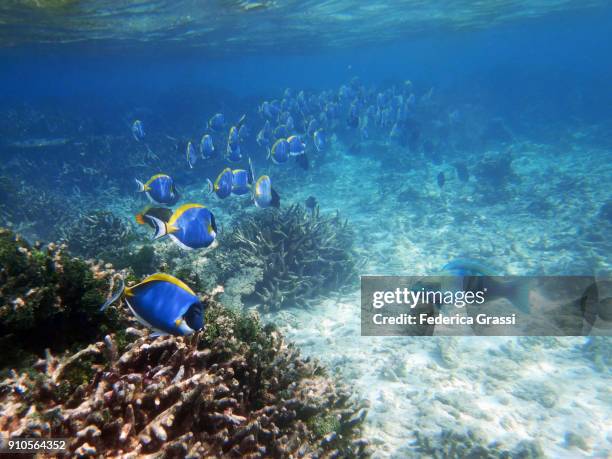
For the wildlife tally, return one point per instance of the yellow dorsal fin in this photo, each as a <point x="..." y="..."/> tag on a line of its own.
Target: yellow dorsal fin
<point x="180" y="211"/>
<point x="152" y="179"/>
<point x="163" y="277"/>
<point x="223" y="172"/>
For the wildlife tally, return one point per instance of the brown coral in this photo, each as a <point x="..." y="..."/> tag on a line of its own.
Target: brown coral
<point x="48" y="300"/>
<point x="234" y="390"/>
<point x="299" y="255"/>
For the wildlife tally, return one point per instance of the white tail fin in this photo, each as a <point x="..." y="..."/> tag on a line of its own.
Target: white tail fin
<point x="113" y="298"/>
<point x="251" y="172"/>
<point x="210" y="186"/>
<point x="161" y="229"/>
<point x="140" y="185"/>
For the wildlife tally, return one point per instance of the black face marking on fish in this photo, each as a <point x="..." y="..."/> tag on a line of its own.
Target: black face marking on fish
<point x="195" y="316"/>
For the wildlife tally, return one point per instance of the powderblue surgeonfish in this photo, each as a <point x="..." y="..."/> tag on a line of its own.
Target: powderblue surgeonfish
<point x="265" y="110"/>
<point x="263" y="193"/>
<point x="264" y="136"/>
<point x="296" y="146"/>
<point x="160" y="189"/>
<point x="242" y="180"/>
<point x="233" y="145"/>
<point x="280" y="132"/>
<point x="233" y="153"/>
<point x="190" y="152"/>
<point x="217" y="122"/>
<point x="138" y="130"/>
<point x="207" y="146"/>
<point x="319" y="140"/>
<point x="466" y="274"/>
<point x="222" y="186"/>
<point x="164" y="304"/>
<point x="312" y="127"/>
<point x="243" y="132"/>
<point x="280" y="151"/>
<point x="191" y="226"/>
<point x="233" y="138"/>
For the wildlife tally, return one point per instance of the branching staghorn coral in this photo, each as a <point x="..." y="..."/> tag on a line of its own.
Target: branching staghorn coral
<point x="99" y="234"/>
<point x="234" y="390"/>
<point x="299" y="255"/>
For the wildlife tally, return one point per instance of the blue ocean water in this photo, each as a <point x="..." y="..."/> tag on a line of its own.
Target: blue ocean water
<point x="517" y="94"/>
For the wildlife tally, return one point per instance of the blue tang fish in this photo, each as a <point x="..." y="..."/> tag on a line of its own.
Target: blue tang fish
<point x="223" y="185"/>
<point x="280" y="151"/>
<point x="160" y="189"/>
<point x="164" y="304"/>
<point x="138" y="130"/>
<point x="207" y="146"/>
<point x="191" y="226"/>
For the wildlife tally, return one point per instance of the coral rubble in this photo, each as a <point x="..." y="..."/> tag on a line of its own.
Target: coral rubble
<point x="236" y="389"/>
<point x="48" y="300"/>
<point x="286" y="257"/>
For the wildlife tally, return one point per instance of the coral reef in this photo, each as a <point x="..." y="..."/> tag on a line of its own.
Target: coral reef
<point x="287" y="257"/>
<point x="495" y="169"/>
<point x="48" y="300"/>
<point x="99" y="234"/>
<point x="26" y="209"/>
<point x="452" y="444"/>
<point x="494" y="175"/>
<point x="234" y="390"/>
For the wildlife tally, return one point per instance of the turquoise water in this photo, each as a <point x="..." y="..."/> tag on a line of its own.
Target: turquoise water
<point x="508" y="101"/>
